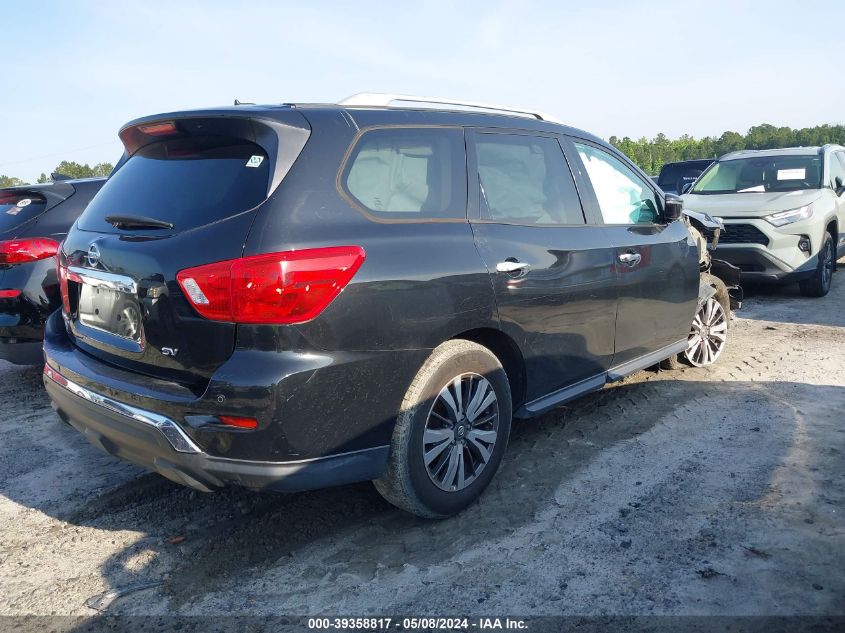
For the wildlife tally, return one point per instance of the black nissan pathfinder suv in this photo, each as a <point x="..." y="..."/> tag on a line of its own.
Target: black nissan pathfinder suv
<point x="297" y="296"/>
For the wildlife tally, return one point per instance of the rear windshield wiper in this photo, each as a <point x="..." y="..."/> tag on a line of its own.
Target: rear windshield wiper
<point x="136" y="222"/>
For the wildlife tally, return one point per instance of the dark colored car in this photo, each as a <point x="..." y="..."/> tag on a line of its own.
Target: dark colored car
<point x="33" y="220"/>
<point x="674" y="177"/>
<point x="297" y="296"/>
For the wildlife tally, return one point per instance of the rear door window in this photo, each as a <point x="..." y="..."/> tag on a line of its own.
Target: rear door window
<point x="408" y="174"/>
<point x="188" y="182"/>
<point x="525" y="180"/>
<point x="17" y="207"/>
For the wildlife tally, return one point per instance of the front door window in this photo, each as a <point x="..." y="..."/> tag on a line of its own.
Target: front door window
<point x="624" y="198"/>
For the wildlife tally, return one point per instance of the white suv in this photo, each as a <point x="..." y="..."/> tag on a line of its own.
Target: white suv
<point x="784" y="213"/>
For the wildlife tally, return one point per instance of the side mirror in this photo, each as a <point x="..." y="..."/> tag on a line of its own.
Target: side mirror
<point x="672" y="208"/>
<point x="687" y="187"/>
<point x="840" y="186"/>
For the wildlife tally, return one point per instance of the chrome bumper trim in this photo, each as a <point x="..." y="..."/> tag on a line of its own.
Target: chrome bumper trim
<point x="102" y="279"/>
<point x="174" y="434"/>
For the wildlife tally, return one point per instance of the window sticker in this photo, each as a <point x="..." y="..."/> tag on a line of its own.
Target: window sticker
<point x="24" y="203"/>
<point x="255" y="161"/>
<point x="792" y="174"/>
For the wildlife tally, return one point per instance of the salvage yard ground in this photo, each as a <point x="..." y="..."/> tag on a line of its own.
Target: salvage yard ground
<point x="704" y="491"/>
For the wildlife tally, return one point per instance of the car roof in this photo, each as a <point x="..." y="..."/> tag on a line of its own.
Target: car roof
<point x="781" y="151"/>
<point x="456" y="117"/>
<point x="368" y="115"/>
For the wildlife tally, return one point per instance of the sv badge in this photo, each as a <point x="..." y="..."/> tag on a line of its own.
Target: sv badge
<point x="169" y="351"/>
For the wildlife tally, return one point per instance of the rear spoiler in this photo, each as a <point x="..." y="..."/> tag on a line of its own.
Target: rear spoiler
<point x="53" y="193"/>
<point x="282" y="140"/>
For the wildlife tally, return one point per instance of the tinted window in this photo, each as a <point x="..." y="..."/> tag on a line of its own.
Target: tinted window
<point x="409" y="173"/>
<point x="837" y="168"/>
<point x="624" y="197"/>
<point x="674" y="176"/>
<point x="525" y="180"/>
<point x="760" y="174"/>
<point x="16" y="207"/>
<point x="189" y="182"/>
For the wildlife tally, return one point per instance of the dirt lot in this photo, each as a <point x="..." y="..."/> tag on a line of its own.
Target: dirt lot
<point x="717" y="491"/>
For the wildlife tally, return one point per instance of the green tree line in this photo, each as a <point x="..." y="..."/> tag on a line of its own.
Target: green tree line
<point x="652" y="154"/>
<point x="68" y="168"/>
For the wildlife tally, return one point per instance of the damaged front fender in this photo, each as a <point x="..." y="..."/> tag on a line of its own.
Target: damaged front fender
<point x="729" y="274"/>
<point x="705" y="291"/>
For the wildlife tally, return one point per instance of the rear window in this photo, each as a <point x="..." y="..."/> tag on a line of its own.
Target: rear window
<point x="409" y="173"/>
<point x="188" y="182"/>
<point x="674" y="177"/>
<point x="17" y="207"/>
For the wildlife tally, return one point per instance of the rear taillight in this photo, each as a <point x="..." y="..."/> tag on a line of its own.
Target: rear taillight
<point x="10" y="293"/>
<point x="61" y="273"/>
<point x="277" y="288"/>
<point x="54" y="375"/>
<point x="64" y="276"/>
<point x="27" y="250"/>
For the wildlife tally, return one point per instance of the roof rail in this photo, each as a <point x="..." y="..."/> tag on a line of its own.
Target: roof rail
<point x="384" y="100"/>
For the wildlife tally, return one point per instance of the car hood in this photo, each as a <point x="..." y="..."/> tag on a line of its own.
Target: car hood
<point x="749" y="205"/>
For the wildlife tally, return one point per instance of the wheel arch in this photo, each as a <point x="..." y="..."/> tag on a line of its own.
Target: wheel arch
<point x="832" y="227"/>
<point x="508" y="353"/>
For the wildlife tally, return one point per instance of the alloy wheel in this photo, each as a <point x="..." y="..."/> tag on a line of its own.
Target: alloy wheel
<point x="709" y="333"/>
<point x="460" y="432"/>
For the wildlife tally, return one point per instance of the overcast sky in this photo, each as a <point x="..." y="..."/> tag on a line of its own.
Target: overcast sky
<point x="73" y="73"/>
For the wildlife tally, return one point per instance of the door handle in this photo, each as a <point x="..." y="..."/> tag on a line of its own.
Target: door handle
<point x="509" y="266"/>
<point x="630" y="259"/>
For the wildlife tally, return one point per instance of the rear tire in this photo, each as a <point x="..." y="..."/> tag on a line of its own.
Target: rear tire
<point x="819" y="284"/>
<point x="442" y="458"/>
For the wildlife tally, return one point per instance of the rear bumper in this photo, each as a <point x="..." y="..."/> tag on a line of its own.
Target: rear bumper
<point x="22" y="317"/>
<point x="159" y="444"/>
<point x="21" y="352"/>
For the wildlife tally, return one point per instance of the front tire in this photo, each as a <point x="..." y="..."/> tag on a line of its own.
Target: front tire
<point x="685" y="359"/>
<point x="709" y="334"/>
<point x="451" y="432"/>
<point x="819" y="284"/>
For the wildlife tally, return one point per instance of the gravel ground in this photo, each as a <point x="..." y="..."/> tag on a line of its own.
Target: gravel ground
<point x="702" y="491"/>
